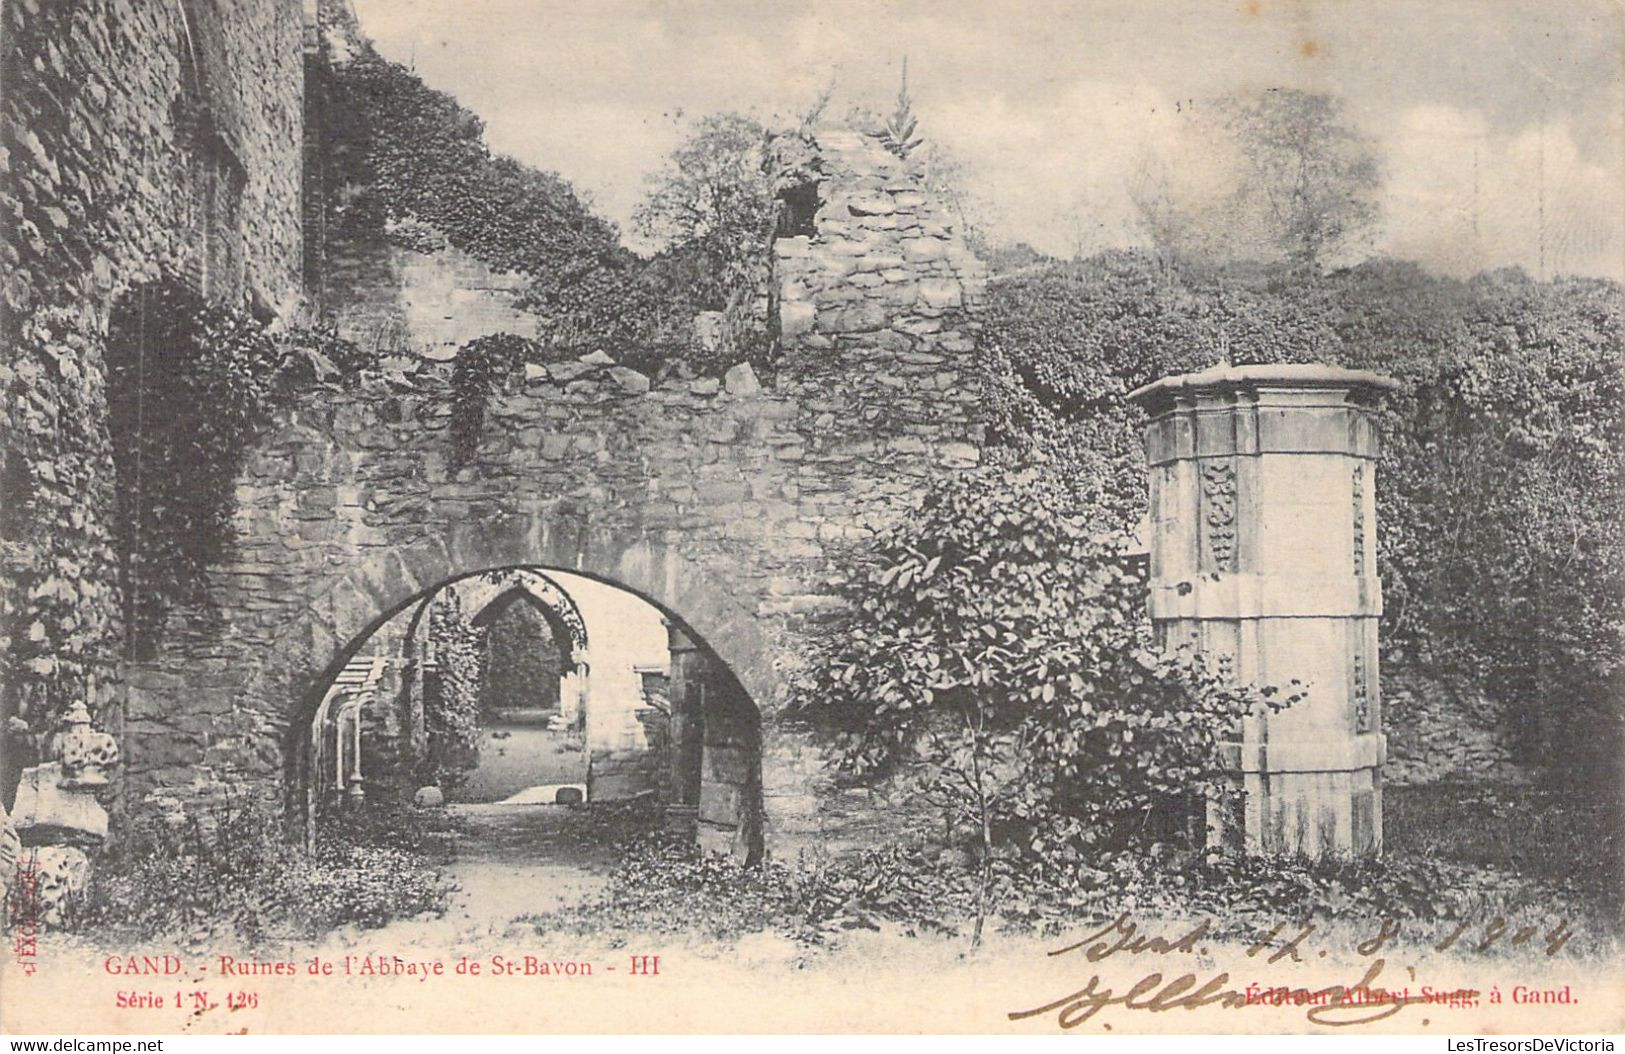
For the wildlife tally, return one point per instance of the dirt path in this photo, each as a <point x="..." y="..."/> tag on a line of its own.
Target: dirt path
<point x="513" y="860"/>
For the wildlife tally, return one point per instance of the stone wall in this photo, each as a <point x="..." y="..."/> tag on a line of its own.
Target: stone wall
<point x="116" y="115"/>
<point x="736" y="505"/>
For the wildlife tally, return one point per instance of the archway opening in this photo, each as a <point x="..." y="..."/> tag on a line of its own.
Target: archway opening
<point x="534" y="687"/>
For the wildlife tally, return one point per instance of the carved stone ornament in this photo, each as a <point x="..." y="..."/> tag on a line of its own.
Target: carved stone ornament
<point x="87" y="755"/>
<point x="1219" y="492"/>
<point x="1362" y="692"/>
<point x="1359" y="517"/>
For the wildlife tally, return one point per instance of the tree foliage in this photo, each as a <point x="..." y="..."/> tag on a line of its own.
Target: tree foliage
<point x="1278" y="177"/>
<point x="712" y="207"/>
<point x="1317" y="176"/>
<point x="999" y="655"/>
<point x="523" y="661"/>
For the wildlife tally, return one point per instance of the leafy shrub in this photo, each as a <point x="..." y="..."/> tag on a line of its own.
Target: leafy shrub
<point x="999" y="653"/>
<point x="451" y="706"/>
<point x="665" y="885"/>
<point x="228" y="873"/>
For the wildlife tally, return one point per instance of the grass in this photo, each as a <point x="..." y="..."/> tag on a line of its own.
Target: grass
<point x="1455" y="853"/>
<point x="1561" y="836"/>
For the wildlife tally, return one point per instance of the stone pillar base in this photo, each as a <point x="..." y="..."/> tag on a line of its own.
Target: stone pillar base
<point x="1310" y="798"/>
<point x="1309" y="814"/>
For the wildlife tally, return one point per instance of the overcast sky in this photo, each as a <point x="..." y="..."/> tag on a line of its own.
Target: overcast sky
<point x="1495" y="120"/>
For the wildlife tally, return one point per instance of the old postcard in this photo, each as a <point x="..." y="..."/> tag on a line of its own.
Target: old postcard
<point x="540" y="517"/>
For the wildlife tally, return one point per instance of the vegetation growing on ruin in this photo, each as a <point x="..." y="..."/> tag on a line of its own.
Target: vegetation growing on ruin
<point x="1500" y="484"/>
<point x="451" y="705"/>
<point x="479" y="371"/>
<point x="408" y="163"/>
<point x="1000" y="660"/>
<point x="189" y="384"/>
<point x="228" y="873"/>
<point x="1435" y="878"/>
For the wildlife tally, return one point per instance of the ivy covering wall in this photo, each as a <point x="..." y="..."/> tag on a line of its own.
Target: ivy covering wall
<point x="1501" y="486"/>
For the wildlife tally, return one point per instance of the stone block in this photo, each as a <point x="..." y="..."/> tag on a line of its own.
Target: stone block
<point x="796" y="317"/>
<point x="741" y="380"/>
<point x="630" y="381"/>
<point x="429" y="798"/>
<point x="940" y="293"/>
<point x="46" y="812"/>
<point x="871" y="205"/>
<point x="565" y="372"/>
<point x="917" y="250"/>
<point x="865" y="317"/>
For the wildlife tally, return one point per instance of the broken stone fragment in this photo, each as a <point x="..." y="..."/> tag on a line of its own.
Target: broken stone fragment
<point x="47" y="811"/>
<point x="631" y="381"/>
<point x="58" y="874"/>
<point x="705" y="386"/>
<point x="741" y="380"/>
<point x="429" y="797"/>
<point x="565" y="372"/>
<point x="597" y="358"/>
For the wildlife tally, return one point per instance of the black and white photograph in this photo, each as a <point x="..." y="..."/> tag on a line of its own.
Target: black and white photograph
<point x="707" y="517"/>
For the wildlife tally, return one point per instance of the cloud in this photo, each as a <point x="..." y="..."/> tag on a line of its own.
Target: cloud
<point x="1462" y="196"/>
<point x="1494" y="153"/>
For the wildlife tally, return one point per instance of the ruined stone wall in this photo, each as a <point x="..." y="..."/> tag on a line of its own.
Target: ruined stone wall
<point x="736" y="505"/>
<point x="95" y="186"/>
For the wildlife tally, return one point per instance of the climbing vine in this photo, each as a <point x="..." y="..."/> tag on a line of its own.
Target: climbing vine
<point x="190" y="383"/>
<point x="403" y="155"/>
<point x="407" y="164"/>
<point x="482" y="366"/>
<point x="451" y="708"/>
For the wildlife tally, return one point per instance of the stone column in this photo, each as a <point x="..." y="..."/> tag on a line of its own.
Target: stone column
<point x="1263" y="546"/>
<point x="687" y="688"/>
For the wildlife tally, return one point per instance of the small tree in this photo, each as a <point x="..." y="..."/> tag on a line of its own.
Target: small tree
<point x="713" y="208"/>
<point x="1317" y="175"/>
<point x="1279" y="177"/>
<point x="713" y="189"/>
<point x="898" y="131"/>
<point x="1000" y="659"/>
